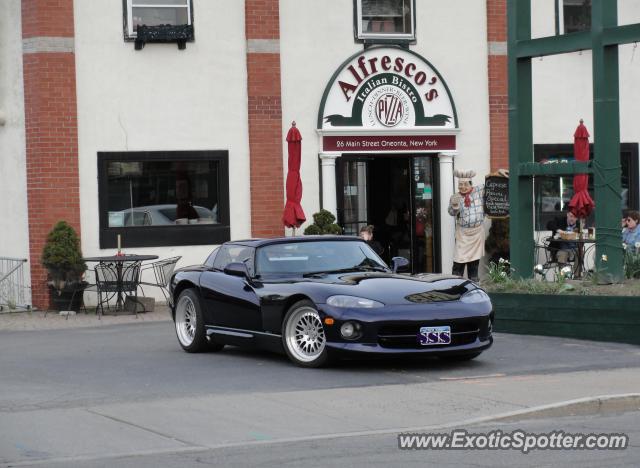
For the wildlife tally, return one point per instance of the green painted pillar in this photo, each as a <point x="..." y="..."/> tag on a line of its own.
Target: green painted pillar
<point x="520" y="140"/>
<point x="606" y="166"/>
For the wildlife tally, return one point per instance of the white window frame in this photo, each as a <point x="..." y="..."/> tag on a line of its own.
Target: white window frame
<point x="385" y="37"/>
<point x="132" y="3"/>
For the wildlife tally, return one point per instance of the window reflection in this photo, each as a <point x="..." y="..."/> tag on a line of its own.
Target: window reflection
<point x="553" y="194"/>
<point x="386" y="16"/>
<point x="162" y="193"/>
<point x="577" y="15"/>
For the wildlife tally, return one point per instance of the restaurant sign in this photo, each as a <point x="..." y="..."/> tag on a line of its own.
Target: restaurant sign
<point x="388" y="143"/>
<point x="387" y="90"/>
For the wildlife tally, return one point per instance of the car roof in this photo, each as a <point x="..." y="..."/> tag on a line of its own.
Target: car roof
<point x="286" y="240"/>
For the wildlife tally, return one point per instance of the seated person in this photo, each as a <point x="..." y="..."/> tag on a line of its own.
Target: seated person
<point x="562" y="252"/>
<point x="631" y="231"/>
<point x="366" y="233"/>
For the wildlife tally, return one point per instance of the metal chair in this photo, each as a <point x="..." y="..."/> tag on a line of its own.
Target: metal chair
<point x="115" y="279"/>
<point x="162" y="271"/>
<point x="547" y="254"/>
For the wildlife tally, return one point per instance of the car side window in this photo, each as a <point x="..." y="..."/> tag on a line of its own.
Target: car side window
<point x="212" y="257"/>
<point x="234" y="253"/>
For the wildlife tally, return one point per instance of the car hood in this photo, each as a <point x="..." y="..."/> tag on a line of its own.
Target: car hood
<point x="395" y="289"/>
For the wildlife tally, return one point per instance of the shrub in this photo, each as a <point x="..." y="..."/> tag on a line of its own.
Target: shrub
<point x="62" y="256"/>
<point x="323" y="223"/>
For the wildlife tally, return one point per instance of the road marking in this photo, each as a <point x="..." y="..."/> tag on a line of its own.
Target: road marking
<point x="474" y="377"/>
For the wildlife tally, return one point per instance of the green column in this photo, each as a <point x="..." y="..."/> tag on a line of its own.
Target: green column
<point x="606" y="167"/>
<point x="520" y="140"/>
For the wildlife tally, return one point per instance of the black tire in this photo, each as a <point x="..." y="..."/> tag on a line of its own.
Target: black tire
<point x="294" y="352"/>
<point x="460" y="357"/>
<point x="193" y="339"/>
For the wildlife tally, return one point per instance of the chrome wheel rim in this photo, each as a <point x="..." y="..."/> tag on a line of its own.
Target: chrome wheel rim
<point x="186" y="320"/>
<point x="304" y="334"/>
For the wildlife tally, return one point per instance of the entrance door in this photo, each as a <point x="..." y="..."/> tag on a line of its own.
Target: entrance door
<point x="396" y="195"/>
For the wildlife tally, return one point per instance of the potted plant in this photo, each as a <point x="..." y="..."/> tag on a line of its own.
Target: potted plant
<point x="323" y="223"/>
<point x="62" y="258"/>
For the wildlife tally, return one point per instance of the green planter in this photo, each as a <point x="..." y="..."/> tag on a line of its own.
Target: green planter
<point x="599" y="318"/>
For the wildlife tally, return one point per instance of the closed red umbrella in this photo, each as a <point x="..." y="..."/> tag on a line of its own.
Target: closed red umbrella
<point x="293" y="215"/>
<point x="581" y="204"/>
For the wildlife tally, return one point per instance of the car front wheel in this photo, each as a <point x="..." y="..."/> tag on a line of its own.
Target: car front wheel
<point x="189" y="324"/>
<point x="303" y="336"/>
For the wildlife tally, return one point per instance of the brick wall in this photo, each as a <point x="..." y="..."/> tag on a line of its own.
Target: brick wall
<point x="498" y="84"/>
<point x="51" y="129"/>
<point x="265" y="117"/>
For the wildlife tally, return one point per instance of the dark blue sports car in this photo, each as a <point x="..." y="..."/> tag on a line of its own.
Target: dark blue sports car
<point x="324" y="296"/>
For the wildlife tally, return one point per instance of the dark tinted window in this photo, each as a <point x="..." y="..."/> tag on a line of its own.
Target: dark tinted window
<point x="577" y="15"/>
<point x="234" y="253"/>
<point x="149" y="198"/>
<point x="552" y="194"/>
<point x="307" y="257"/>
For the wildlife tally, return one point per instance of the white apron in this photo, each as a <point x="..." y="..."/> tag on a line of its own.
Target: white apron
<point x="469" y="244"/>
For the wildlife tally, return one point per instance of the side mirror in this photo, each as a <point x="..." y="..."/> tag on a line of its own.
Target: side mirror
<point x="399" y="262"/>
<point x="237" y="269"/>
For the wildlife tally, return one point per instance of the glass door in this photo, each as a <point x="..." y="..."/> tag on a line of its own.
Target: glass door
<point x="354" y="196"/>
<point x="423" y="190"/>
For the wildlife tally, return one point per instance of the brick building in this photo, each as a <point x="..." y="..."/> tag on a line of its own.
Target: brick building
<point x="173" y="136"/>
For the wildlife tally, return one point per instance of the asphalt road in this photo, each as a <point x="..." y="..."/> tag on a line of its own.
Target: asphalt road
<point x="129" y="394"/>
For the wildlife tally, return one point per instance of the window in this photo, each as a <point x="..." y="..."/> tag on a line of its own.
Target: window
<point x="156" y="13"/>
<point x="576" y="15"/>
<point x="552" y="194"/>
<point x="234" y="254"/>
<point x="385" y="20"/>
<point x="163" y="198"/>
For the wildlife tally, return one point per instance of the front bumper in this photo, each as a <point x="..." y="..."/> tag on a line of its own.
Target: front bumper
<point x="393" y="330"/>
<point x="356" y="349"/>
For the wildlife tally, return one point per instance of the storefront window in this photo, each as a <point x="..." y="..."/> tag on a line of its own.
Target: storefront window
<point x="142" y="192"/>
<point x="553" y="194"/>
<point x="576" y="15"/>
<point x="386" y="19"/>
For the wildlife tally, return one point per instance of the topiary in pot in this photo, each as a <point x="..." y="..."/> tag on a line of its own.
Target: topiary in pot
<point x="323" y="223"/>
<point x="62" y="257"/>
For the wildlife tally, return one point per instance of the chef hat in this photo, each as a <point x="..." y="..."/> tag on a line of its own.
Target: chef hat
<point x="464" y="175"/>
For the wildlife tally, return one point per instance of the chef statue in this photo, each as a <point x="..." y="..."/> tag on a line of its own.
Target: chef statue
<point x="467" y="207"/>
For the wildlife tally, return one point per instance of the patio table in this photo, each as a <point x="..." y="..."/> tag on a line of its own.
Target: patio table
<point x="118" y="261"/>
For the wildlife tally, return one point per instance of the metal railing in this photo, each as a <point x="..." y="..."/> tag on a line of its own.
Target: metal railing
<point x="13" y="288"/>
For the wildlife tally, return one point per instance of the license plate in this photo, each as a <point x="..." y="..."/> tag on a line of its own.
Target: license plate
<point x="434" y="335"/>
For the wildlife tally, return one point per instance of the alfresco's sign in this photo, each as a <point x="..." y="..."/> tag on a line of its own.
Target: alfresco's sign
<point x="387" y="88"/>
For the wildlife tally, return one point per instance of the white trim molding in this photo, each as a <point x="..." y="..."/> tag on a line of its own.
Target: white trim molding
<point x="43" y="44"/>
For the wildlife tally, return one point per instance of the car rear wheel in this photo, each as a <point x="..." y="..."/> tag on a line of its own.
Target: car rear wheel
<point x="189" y="324"/>
<point x="303" y="336"/>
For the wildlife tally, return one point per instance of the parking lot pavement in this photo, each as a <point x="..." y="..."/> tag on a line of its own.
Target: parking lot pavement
<point x="124" y="390"/>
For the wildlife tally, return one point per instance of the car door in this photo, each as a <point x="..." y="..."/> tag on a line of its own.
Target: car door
<point x="231" y="301"/>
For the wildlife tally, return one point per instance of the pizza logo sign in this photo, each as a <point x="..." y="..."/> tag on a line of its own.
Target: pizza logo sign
<point x="389" y="110"/>
<point x="387" y="88"/>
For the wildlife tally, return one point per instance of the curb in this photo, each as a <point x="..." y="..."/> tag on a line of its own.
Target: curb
<point x="579" y="407"/>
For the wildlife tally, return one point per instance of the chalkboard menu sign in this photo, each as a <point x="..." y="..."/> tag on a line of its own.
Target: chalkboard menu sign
<point x="496" y="197"/>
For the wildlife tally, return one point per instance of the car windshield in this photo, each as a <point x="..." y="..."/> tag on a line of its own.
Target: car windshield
<point x="304" y="258"/>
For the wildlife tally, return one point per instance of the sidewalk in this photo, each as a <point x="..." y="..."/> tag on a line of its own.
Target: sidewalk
<point x="36" y="320"/>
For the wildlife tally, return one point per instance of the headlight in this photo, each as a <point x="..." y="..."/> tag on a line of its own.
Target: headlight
<point x="353" y="302"/>
<point x="475" y="296"/>
<point x="350" y="330"/>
